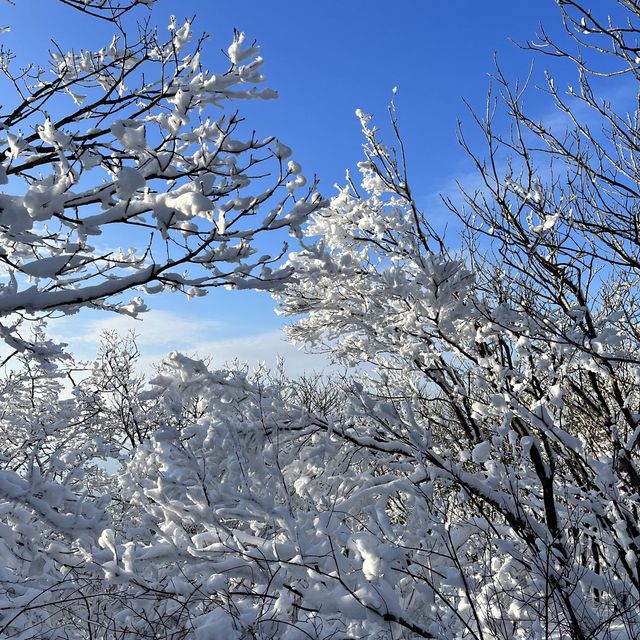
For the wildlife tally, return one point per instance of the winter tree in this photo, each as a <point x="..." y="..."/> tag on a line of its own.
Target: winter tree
<point x="503" y="382"/>
<point x="136" y="140"/>
<point x="475" y="477"/>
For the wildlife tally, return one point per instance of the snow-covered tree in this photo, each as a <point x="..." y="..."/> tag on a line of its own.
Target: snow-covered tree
<point x="503" y="381"/>
<point x="475" y="477"/>
<point x="479" y="477"/>
<point x="137" y="140"/>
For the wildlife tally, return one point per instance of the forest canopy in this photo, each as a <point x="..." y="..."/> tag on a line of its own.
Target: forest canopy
<point x="474" y="472"/>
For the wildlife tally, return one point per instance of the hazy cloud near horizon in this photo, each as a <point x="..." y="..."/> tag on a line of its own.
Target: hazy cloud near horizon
<point x="161" y="331"/>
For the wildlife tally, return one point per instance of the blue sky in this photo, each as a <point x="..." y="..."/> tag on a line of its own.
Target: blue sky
<point x="325" y="59"/>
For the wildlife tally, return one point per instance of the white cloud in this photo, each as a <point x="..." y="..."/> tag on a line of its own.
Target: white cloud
<point x="156" y="328"/>
<point x="262" y="347"/>
<point x="159" y="332"/>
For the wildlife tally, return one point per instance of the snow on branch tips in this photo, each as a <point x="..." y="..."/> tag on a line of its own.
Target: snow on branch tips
<point x="138" y="140"/>
<point x="473" y="472"/>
